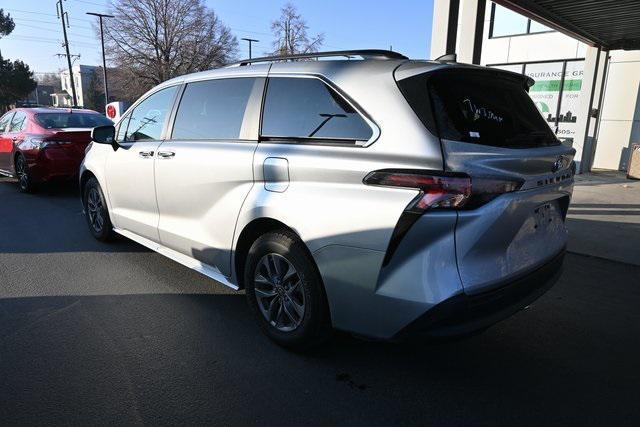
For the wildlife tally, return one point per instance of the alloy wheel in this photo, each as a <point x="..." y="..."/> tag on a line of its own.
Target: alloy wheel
<point x="95" y="210"/>
<point x="21" y="172"/>
<point x="279" y="292"/>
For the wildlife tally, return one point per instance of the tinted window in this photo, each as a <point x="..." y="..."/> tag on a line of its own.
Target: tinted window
<point x="308" y="108"/>
<point x="147" y="119"/>
<point x="71" y="120"/>
<point x="479" y="108"/>
<point x="212" y="109"/>
<point x="19" y="122"/>
<point x="5" y="120"/>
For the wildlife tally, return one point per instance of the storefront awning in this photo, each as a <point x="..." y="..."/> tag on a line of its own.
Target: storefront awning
<point x="609" y="24"/>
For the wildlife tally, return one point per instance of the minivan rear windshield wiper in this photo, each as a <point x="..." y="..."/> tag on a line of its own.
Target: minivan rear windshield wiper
<point x="325" y="121"/>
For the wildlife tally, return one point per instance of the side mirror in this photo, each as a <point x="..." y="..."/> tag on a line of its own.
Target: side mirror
<point x="104" y="135"/>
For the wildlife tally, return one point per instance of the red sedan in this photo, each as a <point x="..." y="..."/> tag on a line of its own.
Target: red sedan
<point x="40" y="144"/>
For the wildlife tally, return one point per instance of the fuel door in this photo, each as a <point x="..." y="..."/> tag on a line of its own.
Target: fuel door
<point x="276" y="174"/>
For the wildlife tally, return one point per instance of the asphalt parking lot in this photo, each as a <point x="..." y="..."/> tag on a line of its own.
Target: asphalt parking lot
<point x="113" y="333"/>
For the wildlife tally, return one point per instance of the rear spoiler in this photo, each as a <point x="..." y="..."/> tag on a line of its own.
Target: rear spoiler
<point x="412" y="68"/>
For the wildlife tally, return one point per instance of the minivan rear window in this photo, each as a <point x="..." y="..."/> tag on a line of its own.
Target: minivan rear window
<point x="477" y="107"/>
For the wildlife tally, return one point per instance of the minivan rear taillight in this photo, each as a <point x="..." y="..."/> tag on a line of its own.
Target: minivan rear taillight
<point x="443" y="190"/>
<point x="438" y="190"/>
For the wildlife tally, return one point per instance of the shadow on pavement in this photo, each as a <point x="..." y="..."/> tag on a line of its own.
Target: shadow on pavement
<point x="148" y="359"/>
<point x="49" y="221"/>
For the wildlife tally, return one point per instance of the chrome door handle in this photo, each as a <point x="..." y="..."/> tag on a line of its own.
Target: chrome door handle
<point x="166" y="154"/>
<point x="145" y="154"/>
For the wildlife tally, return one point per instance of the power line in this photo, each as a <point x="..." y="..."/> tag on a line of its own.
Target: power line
<point x="32" y="12"/>
<point x="54" y="31"/>
<point x="86" y="28"/>
<point x="48" y="22"/>
<point x="43" y="13"/>
<point x="92" y="3"/>
<point x="45" y="40"/>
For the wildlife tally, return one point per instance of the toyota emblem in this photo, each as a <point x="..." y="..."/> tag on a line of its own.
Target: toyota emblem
<point x="558" y="164"/>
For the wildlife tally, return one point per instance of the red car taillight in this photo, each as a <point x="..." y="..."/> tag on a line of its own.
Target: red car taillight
<point x="42" y="143"/>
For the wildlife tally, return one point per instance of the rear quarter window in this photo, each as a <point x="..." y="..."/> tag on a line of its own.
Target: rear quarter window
<point x="306" y="108"/>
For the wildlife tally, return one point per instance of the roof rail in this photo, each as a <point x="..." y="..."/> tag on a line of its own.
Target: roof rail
<point x="363" y="53"/>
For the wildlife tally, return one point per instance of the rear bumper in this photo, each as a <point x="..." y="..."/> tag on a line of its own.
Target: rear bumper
<point x="466" y="313"/>
<point x="57" y="163"/>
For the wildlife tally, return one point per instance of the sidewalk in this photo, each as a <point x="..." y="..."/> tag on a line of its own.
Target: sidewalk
<point x="604" y="217"/>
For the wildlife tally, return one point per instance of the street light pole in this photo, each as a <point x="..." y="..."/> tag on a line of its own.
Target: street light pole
<point x="250" y="42"/>
<point x="104" y="62"/>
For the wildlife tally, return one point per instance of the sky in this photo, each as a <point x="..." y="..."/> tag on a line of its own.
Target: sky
<point x="404" y="25"/>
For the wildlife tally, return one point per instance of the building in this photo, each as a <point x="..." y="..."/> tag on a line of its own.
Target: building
<point x="588" y="95"/>
<point x="82" y="75"/>
<point x="40" y="96"/>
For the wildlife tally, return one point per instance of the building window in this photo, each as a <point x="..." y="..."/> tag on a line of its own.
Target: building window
<point x="506" y="23"/>
<point x="556" y="92"/>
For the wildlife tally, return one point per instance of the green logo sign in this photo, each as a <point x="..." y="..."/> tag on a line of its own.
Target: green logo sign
<point x="554" y="86"/>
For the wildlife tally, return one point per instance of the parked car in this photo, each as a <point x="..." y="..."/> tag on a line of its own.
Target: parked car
<point x="386" y="197"/>
<point x="40" y="144"/>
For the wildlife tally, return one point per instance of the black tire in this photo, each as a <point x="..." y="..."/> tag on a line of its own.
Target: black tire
<point x="25" y="180"/>
<point x="96" y="212"/>
<point x="291" y="330"/>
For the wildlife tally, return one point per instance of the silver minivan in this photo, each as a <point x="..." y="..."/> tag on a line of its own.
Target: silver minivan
<point x="355" y="190"/>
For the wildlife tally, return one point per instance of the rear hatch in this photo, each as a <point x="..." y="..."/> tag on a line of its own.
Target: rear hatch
<point x="521" y="175"/>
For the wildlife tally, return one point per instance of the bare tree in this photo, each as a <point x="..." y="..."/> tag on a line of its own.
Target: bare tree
<point x="290" y="33"/>
<point x="151" y="41"/>
<point x="50" y="79"/>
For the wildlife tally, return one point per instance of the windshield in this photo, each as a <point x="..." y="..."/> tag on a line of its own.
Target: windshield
<point x="71" y="120"/>
<point x="478" y="107"/>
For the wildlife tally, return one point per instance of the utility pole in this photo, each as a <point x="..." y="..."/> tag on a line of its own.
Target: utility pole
<point x="62" y="15"/>
<point x="104" y="62"/>
<point x="250" y="41"/>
